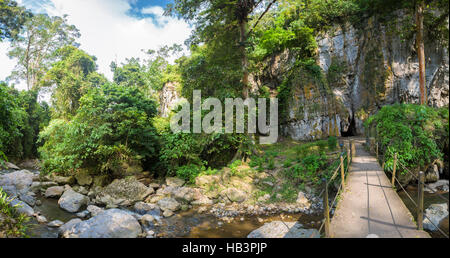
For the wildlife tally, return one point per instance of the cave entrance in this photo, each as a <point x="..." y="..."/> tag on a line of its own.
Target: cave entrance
<point x="351" y="129"/>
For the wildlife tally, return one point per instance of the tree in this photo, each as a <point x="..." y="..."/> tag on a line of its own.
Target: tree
<point x="36" y="45"/>
<point x="70" y="78"/>
<point x="12" y="18"/>
<point x="421" y="51"/>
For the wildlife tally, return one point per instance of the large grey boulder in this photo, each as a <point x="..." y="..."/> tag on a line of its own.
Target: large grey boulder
<point x="113" y="223"/>
<point x="19" y="180"/>
<point x="68" y="226"/>
<point x="280" y="229"/>
<point x="434" y="215"/>
<point x="123" y="192"/>
<point x="72" y="201"/>
<point x="22" y="207"/>
<point x="169" y="204"/>
<point x="94" y="210"/>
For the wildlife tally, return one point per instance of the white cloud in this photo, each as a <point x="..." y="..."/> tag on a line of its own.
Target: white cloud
<point x="109" y="33"/>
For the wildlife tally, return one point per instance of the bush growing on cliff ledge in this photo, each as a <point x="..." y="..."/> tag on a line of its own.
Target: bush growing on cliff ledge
<point x="419" y="134"/>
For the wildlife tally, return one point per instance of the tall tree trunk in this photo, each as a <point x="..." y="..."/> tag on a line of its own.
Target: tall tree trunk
<point x="243" y="39"/>
<point x="421" y="52"/>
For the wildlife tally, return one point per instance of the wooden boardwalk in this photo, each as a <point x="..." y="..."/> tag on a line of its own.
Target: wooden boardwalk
<point x="369" y="205"/>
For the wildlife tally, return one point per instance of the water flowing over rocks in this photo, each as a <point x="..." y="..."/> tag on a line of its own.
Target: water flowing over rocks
<point x="280" y="229"/>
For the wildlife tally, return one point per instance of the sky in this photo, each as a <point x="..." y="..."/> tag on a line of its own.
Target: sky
<point x="111" y="30"/>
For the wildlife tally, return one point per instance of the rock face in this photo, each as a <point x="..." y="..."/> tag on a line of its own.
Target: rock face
<point x="113" y="223"/>
<point x="72" y="201"/>
<point x="168" y="98"/>
<point x="280" y="229"/>
<point x="302" y="200"/>
<point x="362" y="70"/>
<point x="436" y="213"/>
<point x="123" y="192"/>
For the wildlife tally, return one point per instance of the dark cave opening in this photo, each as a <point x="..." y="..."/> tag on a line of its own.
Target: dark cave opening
<point x="351" y="129"/>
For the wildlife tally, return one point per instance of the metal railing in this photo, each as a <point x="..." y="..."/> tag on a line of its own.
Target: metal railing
<point x="397" y="164"/>
<point x="345" y="157"/>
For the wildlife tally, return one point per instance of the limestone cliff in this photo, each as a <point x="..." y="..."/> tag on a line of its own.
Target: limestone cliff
<point x="361" y="69"/>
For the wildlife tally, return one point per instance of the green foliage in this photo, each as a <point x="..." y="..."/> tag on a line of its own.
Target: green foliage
<point x="73" y="78"/>
<point x="21" y="119"/>
<point x="307" y="169"/>
<point x="189" y="172"/>
<point x="12" y="224"/>
<point x="112" y="127"/>
<point x="419" y="134"/>
<point x="37" y="45"/>
<point x="12" y="18"/>
<point x="332" y="143"/>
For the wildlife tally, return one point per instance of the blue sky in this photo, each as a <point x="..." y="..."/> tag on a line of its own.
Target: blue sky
<point x="112" y="30"/>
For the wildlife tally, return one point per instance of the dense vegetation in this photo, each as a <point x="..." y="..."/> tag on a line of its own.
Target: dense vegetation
<point x="418" y="134"/>
<point x="112" y="127"/>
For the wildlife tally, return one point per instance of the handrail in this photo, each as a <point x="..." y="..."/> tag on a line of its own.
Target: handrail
<point x="421" y="184"/>
<point x="341" y="167"/>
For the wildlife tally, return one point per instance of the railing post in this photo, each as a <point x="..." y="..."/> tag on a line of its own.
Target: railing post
<point x="342" y="172"/>
<point x="348" y="156"/>
<point x="420" y="201"/>
<point x="394" y="170"/>
<point x="326" y="210"/>
<point x="353" y="149"/>
<point x="377" y="151"/>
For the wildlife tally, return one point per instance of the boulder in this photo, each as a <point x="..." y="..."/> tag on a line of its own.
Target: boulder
<point x="68" y="226"/>
<point x="55" y="224"/>
<point x="175" y="181"/>
<point x="113" y="223"/>
<point x="432" y="174"/>
<point x="28" y="198"/>
<point x="22" y="207"/>
<point x="302" y="200"/>
<point x="54" y="191"/>
<point x="147" y="219"/>
<point x="207" y="180"/>
<point x="37" y="186"/>
<point x="235" y="195"/>
<point x="280" y="229"/>
<point x="72" y="201"/>
<point x="94" y="210"/>
<point x="83" y="214"/>
<point x="434" y="215"/>
<point x="123" y="192"/>
<point x="101" y="181"/>
<point x="146" y="208"/>
<point x="169" y="204"/>
<point x="62" y="180"/>
<point x="17" y="180"/>
<point x="9" y="165"/>
<point x="440" y="185"/>
<point x="184" y="194"/>
<point x="83" y="177"/>
<point x="41" y="219"/>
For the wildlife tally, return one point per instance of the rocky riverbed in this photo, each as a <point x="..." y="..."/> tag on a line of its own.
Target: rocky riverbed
<point x="77" y="207"/>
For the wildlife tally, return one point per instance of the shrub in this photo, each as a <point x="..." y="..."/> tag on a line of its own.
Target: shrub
<point x="13" y="223"/>
<point x="332" y="143"/>
<point x="419" y="134"/>
<point x="189" y="172"/>
<point x="112" y="128"/>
